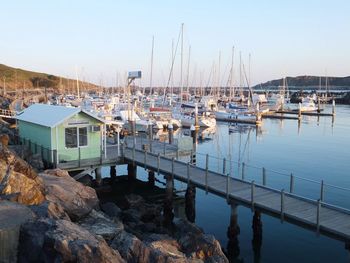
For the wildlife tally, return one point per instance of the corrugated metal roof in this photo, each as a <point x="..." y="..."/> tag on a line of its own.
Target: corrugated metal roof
<point x="48" y="115"/>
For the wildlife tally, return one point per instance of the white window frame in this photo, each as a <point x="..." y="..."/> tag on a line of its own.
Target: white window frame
<point x="78" y="144"/>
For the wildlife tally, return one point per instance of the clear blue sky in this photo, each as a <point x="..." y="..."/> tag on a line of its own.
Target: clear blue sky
<point x="100" y="38"/>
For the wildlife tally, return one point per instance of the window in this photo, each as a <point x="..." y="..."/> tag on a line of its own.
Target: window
<point x="76" y="137"/>
<point x="83" y="136"/>
<point x="71" y="137"/>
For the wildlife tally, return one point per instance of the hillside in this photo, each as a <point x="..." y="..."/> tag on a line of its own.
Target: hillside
<point x="309" y="82"/>
<point x="24" y="79"/>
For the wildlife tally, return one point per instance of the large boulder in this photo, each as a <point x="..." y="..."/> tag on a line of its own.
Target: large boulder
<point x="48" y="240"/>
<point x="195" y="244"/>
<point x="99" y="224"/>
<point x="76" y="199"/>
<point x="18" y="177"/>
<point x="50" y="210"/>
<point x="12" y="216"/>
<point x="156" y="248"/>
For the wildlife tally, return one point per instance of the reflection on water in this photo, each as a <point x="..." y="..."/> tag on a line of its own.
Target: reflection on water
<point x="314" y="148"/>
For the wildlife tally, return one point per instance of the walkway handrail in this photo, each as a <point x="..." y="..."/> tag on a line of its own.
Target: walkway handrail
<point x="304" y="198"/>
<point x="319" y="191"/>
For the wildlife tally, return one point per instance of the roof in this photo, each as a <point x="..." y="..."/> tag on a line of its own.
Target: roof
<point x="49" y="115"/>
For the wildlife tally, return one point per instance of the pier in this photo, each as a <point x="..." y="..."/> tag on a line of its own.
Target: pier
<point x="317" y="215"/>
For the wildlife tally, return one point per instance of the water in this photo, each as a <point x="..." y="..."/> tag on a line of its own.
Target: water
<point x="318" y="149"/>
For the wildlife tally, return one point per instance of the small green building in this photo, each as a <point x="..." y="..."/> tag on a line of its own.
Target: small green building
<point x="62" y="134"/>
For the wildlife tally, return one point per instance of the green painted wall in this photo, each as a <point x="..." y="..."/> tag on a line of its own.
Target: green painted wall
<point x="47" y="137"/>
<point x="36" y="133"/>
<point x="93" y="148"/>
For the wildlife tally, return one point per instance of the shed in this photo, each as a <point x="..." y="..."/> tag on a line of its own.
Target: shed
<point x="62" y="134"/>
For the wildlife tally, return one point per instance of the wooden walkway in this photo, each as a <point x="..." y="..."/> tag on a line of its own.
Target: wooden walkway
<point x="327" y="219"/>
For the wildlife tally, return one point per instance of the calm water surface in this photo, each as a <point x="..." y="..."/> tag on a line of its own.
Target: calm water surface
<point x="317" y="149"/>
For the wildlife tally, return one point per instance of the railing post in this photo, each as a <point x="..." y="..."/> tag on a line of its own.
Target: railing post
<point x="224" y="166"/>
<point x="206" y="172"/>
<point x="227" y="187"/>
<point x="291" y="184"/>
<point x="164" y="152"/>
<point x="42" y="152"/>
<point x="252" y="194"/>
<point x="177" y="153"/>
<point x="150" y="145"/>
<point x="158" y="163"/>
<point x="282" y="205"/>
<point x="79" y="156"/>
<point x="243" y="170"/>
<point x="318" y="215"/>
<point x="145" y="160"/>
<point x="188" y="173"/>
<point x="191" y="156"/>
<point x="264" y="176"/>
<point x="322" y="191"/>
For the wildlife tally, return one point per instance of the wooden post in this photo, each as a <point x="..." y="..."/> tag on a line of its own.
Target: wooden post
<point x="299" y="112"/>
<point x="206" y="172"/>
<point x="318" y="215"/>
<point x="282" y="205"/>
<point x="224" y="166"/>
<point x="264" y="176"/>
<point x="158" y="163"/>
<point x="172" y="168"/>
<point x="252" y="194"/>
<point x="177" y="153"/>
<point x="145" y="160"/>
<point x="318" y="104"/>
<point x="291" y="184"/>
<point x="191" y="156"/>
<point x="227" y="187"/>
<point x="333" y="107"/>
<point x="133" y="154"/>
<point x="243" y="168"/>
<point x="164" y="148"/>
<point x="188" y="173"/>
<point x="322" y="191"/>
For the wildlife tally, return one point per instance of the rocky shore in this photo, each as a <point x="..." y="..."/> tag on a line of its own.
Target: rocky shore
<point x="50" y="217"/>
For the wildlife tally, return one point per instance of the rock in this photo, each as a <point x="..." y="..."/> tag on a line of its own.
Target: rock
<point x="48" y="240"/>
<point x="50" y="210"/>
<point x="130" y="247"/>
<point x="4" y="139"/>
<point x="111" y="209"/>
<point x="195" y="244"/>
<point x="134" y="201"/>
<point x="18" y="177"/>
<point x="10" y="158"/>
<point x="76" y="199"/>
<point x="98" y="224"/>
<point x="12" y="216"/>
<point x="57" y="173"/>
<point x="86" y="180"/>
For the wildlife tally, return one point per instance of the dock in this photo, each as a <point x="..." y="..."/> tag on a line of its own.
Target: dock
<point x="312" y="214"/>
<point x="307" y="113"/>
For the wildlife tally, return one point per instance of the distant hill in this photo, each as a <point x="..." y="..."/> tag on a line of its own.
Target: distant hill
<point x="24" y="79"/>
<point x="308" y="82"/>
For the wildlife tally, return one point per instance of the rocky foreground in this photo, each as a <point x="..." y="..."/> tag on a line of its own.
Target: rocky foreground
<point x="49" y="217"/>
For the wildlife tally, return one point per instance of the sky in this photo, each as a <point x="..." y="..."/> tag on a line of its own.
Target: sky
<point x="102" y="40"/>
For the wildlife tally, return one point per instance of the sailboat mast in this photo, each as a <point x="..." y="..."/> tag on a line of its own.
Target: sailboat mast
<point x="240" y="72"/>
<point x="151" y="74"/>
<point x="76" y="74"/>
<point x="182" y="55"/>
<point x="188" y="71"/>
<point x="218" y="77"/>
<point x="232" y="92"/>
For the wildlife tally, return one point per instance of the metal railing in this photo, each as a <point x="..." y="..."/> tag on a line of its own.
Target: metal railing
<point x="318" y="202"/>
